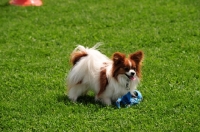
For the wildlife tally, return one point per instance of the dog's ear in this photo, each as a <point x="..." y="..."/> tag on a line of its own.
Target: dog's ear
<point x="137" y="56"/>
<point x="118" y="58"/>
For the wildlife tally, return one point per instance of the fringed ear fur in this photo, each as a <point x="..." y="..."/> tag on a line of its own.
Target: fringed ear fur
<point x="118" y="58"/>
<point x="137" y="56"/>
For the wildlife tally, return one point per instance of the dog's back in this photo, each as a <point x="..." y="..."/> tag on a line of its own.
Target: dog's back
<point x="87" y="63"/>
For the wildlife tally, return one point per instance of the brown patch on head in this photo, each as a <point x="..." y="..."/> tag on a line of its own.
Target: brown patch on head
<point x="103" y="82"/>
<point x="118" y="62"/>
<point x="129" y="64"/>
<point x="121" y="64"/>
<point x="137" y="58"/>
<point x="76" y="56"/>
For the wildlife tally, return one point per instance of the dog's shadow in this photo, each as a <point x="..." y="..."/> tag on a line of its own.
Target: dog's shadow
<point x="84" y="100"/>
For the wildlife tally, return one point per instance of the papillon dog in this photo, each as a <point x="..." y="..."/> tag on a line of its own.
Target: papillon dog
<point x="109" y="79"/>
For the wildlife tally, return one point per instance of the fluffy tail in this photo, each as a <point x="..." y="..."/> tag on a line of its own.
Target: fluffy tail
<point x="76" y="56"/>
<point x="85" y="60"/>
<point x="79" y="52"/>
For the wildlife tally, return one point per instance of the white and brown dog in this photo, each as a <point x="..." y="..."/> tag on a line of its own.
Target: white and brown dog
<point x="108" y="78"/>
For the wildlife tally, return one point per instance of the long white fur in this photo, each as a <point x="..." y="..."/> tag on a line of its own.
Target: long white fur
<point x="87" y="71"/>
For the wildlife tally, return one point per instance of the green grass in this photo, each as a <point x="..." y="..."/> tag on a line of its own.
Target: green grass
<point x="35" y="43"/>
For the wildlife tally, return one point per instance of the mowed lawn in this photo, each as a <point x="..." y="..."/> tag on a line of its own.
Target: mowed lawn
<point x="36" y="42"/>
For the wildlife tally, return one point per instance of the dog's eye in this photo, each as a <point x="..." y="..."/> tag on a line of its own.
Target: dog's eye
<point x="126" y="69"/>
<point x="134" y="68"/>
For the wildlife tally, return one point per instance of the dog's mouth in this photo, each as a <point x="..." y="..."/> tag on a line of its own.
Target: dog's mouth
<point x="131" y="77"/>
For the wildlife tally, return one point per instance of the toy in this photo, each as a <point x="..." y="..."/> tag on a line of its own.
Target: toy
<point x="129" y="99"/>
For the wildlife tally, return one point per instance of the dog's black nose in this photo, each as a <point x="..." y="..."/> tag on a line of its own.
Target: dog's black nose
<point x="132" y="73"/>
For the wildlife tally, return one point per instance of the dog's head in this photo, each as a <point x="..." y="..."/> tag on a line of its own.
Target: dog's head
<point x="130" y="67"/>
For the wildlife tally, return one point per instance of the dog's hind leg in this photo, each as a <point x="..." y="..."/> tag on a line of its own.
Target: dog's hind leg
<point x="106" y="100"/>
<point x="76" y="91"/>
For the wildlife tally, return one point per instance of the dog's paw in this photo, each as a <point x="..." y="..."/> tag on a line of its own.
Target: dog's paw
<point x="73" y="99"/>
<point x="106" y="101"/>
